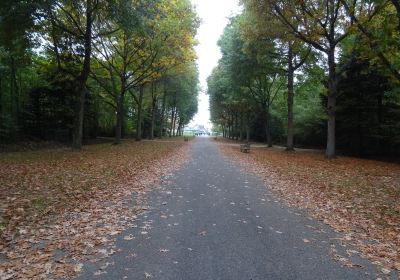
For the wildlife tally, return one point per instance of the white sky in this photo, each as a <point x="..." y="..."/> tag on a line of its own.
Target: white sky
<point x="214" y="17"/>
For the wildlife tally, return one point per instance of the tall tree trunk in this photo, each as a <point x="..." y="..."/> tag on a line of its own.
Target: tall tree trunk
<point x="172" y="128"/>
<point x="174" y="123"/>
<point x="82" y="79"/>
<point x="14" y="91"/>
<point x="178" y="131"/>
<point x="153" y="119"/>
<point x="330" y="145"/>
<point x="290" y="97"/>
<point x="120" y="118"/>
<point x="153" y="111"/>
<point x="236" y="127"/>
<point x="268" y="128"/>
<point x="139" y="116"/>
<point x="241" y="128"/>
<point x="164" y="100"/>
<point x="1" y="96"/>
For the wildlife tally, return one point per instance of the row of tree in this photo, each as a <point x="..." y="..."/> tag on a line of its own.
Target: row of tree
<point x="311" y="73"/>
<point x="81" y="68"/>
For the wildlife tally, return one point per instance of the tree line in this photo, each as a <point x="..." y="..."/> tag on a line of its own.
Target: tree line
<point x="72" y="70"/>
<point x="311" y="73"/>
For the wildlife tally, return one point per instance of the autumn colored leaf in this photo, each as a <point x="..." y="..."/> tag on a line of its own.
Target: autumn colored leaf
<point x="356" y="197"/>
<point x="61" y="207"/>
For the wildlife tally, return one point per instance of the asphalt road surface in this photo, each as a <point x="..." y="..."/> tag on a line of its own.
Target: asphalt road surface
<point x="210" y="220"/>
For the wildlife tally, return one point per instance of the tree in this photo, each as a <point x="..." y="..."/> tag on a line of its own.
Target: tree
<point x="17" y="22"/>
<point x="253" y="68"/>
<point x="260" y="25"/>
<point x="323" y="25"/>
<point x="76" y="19"/>
<point x="124" y="55"/>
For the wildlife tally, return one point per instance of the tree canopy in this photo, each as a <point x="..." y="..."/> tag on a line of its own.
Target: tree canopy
<point x="71" y="70"/>
<point x="304" y="73"/>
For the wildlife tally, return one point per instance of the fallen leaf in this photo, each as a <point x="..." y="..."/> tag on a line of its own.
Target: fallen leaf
<point x="129" y="237"/>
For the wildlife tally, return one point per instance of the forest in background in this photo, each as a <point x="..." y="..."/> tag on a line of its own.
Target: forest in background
<point x="74" y="70"/>
<point x="311" y="74"/>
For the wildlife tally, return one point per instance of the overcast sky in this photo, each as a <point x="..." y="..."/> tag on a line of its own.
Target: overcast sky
<point x="214" y="17"/>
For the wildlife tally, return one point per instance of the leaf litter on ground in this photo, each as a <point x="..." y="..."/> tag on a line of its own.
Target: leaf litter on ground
<point x="60" y="208"/>
<point x="356" y="197"/>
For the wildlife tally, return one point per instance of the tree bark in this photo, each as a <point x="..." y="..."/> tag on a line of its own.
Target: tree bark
<point x="290" y="97"/>
<point x="331" y="109"/>
<point x="172" y="128"/>
<point x="268" y="128"/>
<point x="265" y="121"/>
<point x="14" y="92"/>
<point x="236" y="127"/>
<point x="241" y="127"/>
<point x="120" y="118"/>
<point x="174" y="123"/>
<point x="163" y="110"/>
<point x="139" y="116"/>
<point x="82" y="79"/>
<point x="153" y="117"/>
<point x="1" y="96"/>
<point x="153" y="112"/>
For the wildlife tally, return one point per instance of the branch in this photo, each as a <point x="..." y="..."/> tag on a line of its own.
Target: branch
<point x="303" y="60"/>
<point x="298" y="34"/>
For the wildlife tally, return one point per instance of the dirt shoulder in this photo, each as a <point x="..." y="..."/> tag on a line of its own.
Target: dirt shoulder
<point x="60" y="207"/>
<point x="357" y="197"/>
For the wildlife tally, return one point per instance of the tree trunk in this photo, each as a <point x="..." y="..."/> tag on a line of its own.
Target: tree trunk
<point x="172" y="128"/>
<point x="241" y="128"/>
<point x="78" y="127"/>
<point x="120" y="118"/>
<point x="139" y="116"/>
<point x="236" y="127"/>
<point x="1" y="96"/>
<point x="163" y="110"/>
<point x="290" y="97"/>
<point x="153" y="112"/>
<point x="330" y="145"/>
<point x="268" y="128"/>
<point x="178" y="130"/>
<point x="14" y="92"/>
<point x="174" y="123"/>
<point x="153" y="119"/>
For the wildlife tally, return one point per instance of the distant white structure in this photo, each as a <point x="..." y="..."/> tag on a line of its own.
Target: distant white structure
<point x="197" y="130"/>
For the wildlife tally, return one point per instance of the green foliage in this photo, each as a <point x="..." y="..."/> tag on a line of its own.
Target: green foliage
<point x="368" y="112"/>
<point x="350" y="75"/>
<point x="43" y="50"/>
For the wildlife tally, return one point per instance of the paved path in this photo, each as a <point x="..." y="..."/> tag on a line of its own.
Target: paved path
<point x="215" y="222"/>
